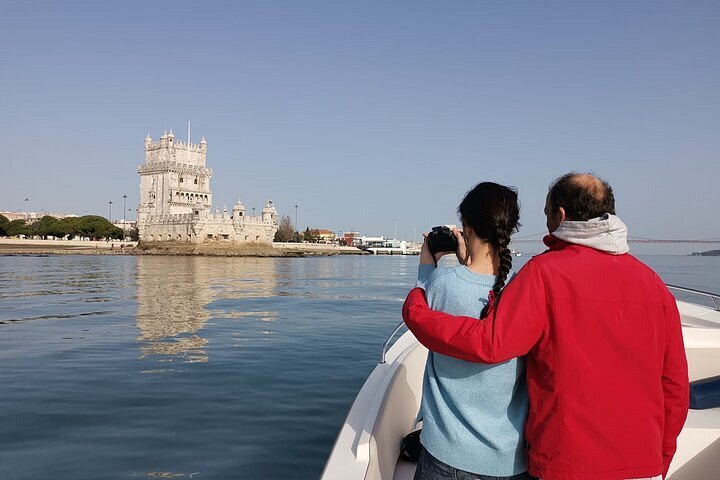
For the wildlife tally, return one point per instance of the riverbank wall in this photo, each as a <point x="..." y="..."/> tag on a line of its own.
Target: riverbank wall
<point x="15" y="246"/>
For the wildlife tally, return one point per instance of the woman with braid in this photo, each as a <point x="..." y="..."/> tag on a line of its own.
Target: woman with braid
<point x="473" y="414"/>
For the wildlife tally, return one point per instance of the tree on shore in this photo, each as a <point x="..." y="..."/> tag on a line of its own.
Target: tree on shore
<point x="44" y="227"/>
<point x="3" y="225"/>
<point x="91" y="226"/>
<point x="311" y="236"/>
<point x="16" y="228"/>
<point x="134" y="234"/>
<point x="96" y="227"/>
<point x="286" y="230"/>
<point x="68" y="227"/>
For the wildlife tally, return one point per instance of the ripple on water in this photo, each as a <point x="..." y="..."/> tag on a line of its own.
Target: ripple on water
<point x="163" y="367"/>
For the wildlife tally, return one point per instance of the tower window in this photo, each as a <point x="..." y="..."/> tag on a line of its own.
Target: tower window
<point x="181" y="179"/>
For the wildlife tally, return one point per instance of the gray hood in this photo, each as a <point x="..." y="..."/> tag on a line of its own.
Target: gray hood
<point x="607" y="233"/>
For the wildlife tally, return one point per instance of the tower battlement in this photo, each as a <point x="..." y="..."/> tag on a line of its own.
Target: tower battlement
<point x="167" y="149"/>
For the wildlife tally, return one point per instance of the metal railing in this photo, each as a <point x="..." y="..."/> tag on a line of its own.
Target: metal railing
<point x="712" y="296"/>
<point x="387" y="341"/>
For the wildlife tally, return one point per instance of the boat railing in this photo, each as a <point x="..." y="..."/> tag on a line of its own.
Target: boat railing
<point x="714" y="297"/>
<point x="386" y="343"/>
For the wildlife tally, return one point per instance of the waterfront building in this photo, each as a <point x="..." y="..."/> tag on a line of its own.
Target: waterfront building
<point x="31" y="217"/>
<point x="176" y="200"/>
<point x="125" y="225"/>
<point x="18" y="215"/>
<point x="352" y="239"/>
<point x="325" y="236"/>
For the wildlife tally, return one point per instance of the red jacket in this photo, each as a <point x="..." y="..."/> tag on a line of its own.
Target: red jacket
<point x="606" y="367"/>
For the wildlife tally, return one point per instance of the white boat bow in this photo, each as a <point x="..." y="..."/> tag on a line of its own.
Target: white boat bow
<point x="384" y="411"/>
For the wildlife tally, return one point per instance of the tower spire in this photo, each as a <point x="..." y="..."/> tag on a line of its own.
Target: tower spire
<point x="188" y="143"/>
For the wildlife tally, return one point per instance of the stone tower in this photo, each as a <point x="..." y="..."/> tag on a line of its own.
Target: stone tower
<point x="174" y="179"/>
<point x="176" y="200"/>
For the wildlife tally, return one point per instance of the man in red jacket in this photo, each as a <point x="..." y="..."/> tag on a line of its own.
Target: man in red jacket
<point x="606" y="368"/>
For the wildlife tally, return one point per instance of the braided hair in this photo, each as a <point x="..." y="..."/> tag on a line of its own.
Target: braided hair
<point x="492" y="211"/>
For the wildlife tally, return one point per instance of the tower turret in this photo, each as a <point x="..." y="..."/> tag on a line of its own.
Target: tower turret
<point x="238" y="212"/>
<point x="269" y="213"/>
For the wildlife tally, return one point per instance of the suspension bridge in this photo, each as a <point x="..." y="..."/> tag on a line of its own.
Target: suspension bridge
<point x="537" y="237"/>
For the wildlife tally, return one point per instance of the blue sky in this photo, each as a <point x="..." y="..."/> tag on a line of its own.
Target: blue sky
<point x="373" y="116"/>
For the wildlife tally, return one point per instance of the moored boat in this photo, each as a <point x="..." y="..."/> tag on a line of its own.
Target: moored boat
<point x="383" y="246"/>
<point x="384" y="411"/>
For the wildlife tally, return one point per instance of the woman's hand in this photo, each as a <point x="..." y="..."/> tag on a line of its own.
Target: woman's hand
<point x="461" y="253"/>
<point x="427" y="258"/>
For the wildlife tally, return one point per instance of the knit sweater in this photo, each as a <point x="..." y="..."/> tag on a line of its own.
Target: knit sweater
<point x="473" y="414"/>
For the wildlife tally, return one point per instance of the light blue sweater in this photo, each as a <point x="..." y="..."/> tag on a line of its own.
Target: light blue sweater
<point x="473" y="414"/>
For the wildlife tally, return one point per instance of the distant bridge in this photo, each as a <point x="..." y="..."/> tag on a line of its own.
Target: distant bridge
<point x="660" y="240"/>
<point x="712" y="241"/>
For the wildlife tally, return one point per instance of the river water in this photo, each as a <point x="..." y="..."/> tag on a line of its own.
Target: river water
<point x="121" y="367"/>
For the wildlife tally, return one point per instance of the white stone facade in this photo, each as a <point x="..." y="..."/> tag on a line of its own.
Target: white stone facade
<point x="176" y="200"/>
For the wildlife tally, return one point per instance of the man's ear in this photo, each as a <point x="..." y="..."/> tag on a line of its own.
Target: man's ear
<point x="561" y="214"/>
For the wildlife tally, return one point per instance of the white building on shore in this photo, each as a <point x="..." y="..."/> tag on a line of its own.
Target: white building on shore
<point x="31" y="217"/>
<point x="176" y="200"/>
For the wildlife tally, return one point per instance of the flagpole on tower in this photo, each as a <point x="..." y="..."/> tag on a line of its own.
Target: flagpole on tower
<point x="188" y="143"/>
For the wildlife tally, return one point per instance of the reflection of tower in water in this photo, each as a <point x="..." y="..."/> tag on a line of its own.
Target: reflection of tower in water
<point x="174" y="296"/>
<point x="171" y="300"/>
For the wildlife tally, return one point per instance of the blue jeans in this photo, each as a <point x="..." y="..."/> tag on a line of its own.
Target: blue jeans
<point x="430" y="468"/>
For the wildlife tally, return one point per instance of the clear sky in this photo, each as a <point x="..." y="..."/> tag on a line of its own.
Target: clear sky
<point x="374" y="116"/>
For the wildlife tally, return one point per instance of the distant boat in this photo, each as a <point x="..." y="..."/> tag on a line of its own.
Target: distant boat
<point x="385" y="246"/>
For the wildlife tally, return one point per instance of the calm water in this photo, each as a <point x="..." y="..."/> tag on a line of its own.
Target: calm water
<point x="203" y="368"/>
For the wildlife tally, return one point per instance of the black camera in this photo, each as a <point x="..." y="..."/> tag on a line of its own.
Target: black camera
<point x="441" y="239"/>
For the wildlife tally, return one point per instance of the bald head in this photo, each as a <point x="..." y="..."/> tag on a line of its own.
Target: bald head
<point x="591" y="184"/>
<point x="581" y="196"/>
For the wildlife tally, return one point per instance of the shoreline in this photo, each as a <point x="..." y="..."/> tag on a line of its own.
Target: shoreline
<point x="16" y="246"/>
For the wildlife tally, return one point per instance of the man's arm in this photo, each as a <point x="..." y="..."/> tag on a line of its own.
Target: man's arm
<point x="511" y="329"/>
<point x="675" y="383"/>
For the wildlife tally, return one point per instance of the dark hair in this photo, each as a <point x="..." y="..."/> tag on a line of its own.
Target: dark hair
<point x="492" y="211"/>
<point x="582" y="196"/>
